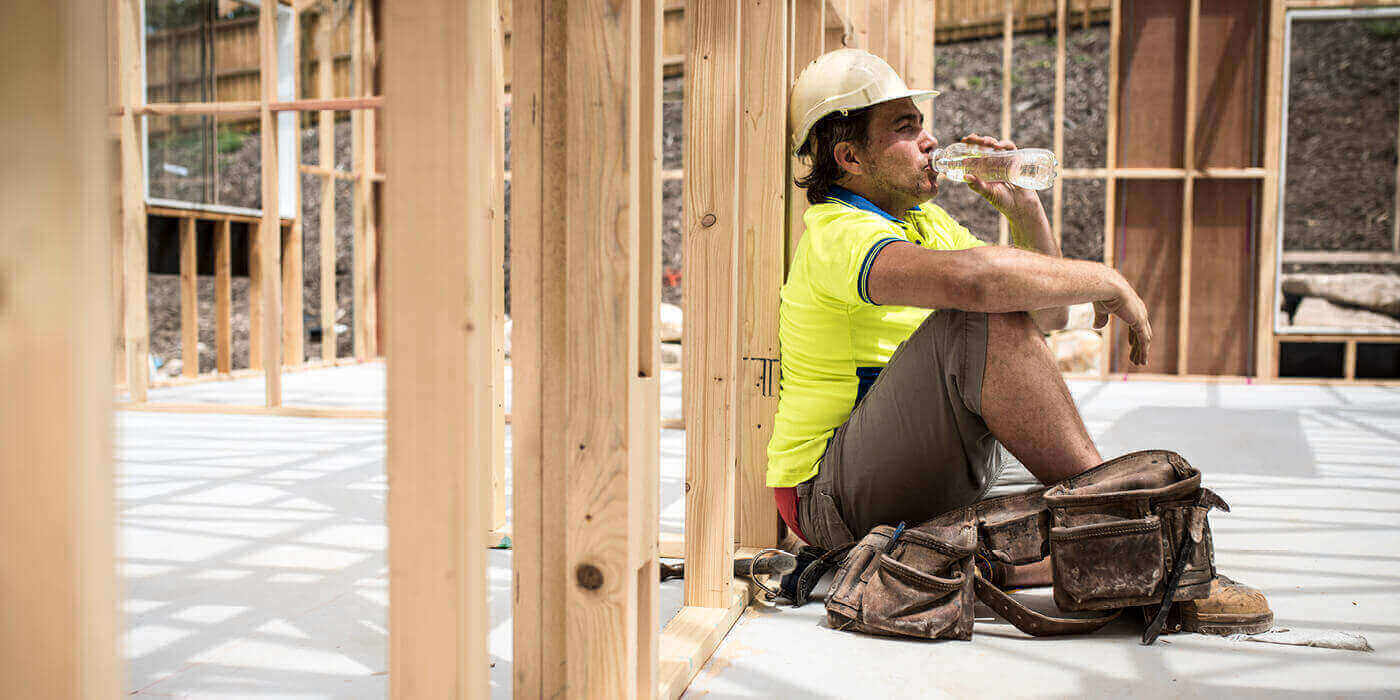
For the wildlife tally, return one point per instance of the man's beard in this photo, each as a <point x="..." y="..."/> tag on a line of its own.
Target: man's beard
<point x="911" y="190"/>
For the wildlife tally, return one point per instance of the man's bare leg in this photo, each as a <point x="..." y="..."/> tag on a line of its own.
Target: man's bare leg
<point x="1027" y="405"/>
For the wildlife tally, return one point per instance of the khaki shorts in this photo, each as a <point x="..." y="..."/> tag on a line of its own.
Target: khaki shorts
<point x="915" y="445"/>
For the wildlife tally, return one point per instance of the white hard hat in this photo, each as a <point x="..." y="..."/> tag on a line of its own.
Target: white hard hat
<point x="840" y="81"/>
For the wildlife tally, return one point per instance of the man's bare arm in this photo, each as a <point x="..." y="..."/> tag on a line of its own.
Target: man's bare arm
<point x="997" y="279"/>
<point x="1032" y="232"/>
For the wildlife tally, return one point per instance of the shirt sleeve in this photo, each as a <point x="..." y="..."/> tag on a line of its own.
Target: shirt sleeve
<point x="844" y="254"/>
<point x="949" y="234"/>
<point x="963" y="238"/>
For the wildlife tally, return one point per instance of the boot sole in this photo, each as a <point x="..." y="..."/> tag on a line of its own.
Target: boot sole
<point x="1226" y="624"/>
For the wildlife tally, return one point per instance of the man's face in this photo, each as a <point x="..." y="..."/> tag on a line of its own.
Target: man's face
<point x="897" y="152"/>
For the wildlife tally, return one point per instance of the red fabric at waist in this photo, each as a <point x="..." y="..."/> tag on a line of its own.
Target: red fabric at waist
<point x="787" y="507"/>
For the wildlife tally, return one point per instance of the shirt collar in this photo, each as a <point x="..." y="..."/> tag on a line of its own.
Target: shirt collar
<point x="851" y="199"/>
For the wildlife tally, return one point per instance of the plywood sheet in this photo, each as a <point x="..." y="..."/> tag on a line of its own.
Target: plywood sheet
<point x="1229" y="83"/>
<point x="1222" y="277"/>
<point x="1148" y="253"/>
<point x="1152" y="84"/>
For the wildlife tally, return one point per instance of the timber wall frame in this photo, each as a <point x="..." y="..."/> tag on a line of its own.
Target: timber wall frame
<point x="586" y="427"/>
<point x="275" y="266"/>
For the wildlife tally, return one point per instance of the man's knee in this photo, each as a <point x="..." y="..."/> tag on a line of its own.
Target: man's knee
<point x="1016" y="324"/>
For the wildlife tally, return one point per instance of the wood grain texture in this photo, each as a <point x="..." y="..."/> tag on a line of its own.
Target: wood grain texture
<point x="1007" y="28"/>
<point x="1265" y="301"/>
<point x="1057" y="215"/>
<point x="919" y="53"/>
<point x="223" y="297"/>
<point x="1222" y="280"/>
<point x="805" y="46"/>
<point x="325" y="145"/>
<point x="1152" y="84"/>
<point x="1149" y="255"/>
<point x="1230" y="84"/>
<point x="189" y="300"/>
<point x="600" y="357"/>
<point x="879" y="28"/>
<point x="269" y="251"/>
<point x="762" y="208"/>
<point x="293" y="326"/>
<point x="255" y="295"/>
<point x="133" y="193"/>
<point x="644" y="402"/>
<point x="437" y="66"/>
<point x="58" y="573"/>
<point x="711" y="235"/>
<point x="538" y="448"/>
<point x="1110" y="213"/>
<point x="369" y="142"/>
<point x="1188" y="198"/>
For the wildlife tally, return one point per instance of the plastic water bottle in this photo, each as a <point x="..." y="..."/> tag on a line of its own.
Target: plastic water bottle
<point x="1032" y="168"/>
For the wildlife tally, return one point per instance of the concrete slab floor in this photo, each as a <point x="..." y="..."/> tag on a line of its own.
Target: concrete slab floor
<point x="253" y="556"/>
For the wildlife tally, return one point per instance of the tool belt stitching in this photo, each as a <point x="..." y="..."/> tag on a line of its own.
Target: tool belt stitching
<point x="918" y="578"/>
<point x="1121" y="530"/>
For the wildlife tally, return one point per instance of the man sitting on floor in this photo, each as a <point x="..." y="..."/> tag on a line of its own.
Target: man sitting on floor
<point x="887" y="410"/>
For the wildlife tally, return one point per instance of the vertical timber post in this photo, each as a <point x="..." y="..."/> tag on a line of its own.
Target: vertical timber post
<point x="439" y="396"/>
<point x="270" y="232"/>
<point x="1110" y="191"/>
<point x="189" y="298"/>
<point x="645" y="453"/>
<point x="223" y="297"/>
<point x="1265" y="347"/>
<point x="583" y="276"/>
<point x="711" y="251"/>
<point x="325" y="146"/>
<point x="762" y="210"/>
<point x="805" y="32"/>
<point x="137" y="318"/>
<point x="57" y="530"/>
<point x="539" y="108"/>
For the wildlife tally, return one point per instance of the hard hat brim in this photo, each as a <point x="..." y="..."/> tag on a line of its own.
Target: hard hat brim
<point x="916" y="95"/>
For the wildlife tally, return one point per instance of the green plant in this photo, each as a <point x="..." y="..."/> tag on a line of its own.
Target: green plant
<point x="1382" y="28"/>
<point x="975" y="82"/>
<point x="229" y="140"/>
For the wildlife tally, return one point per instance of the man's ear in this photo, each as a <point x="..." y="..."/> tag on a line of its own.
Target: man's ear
<point x="846" y="157"/>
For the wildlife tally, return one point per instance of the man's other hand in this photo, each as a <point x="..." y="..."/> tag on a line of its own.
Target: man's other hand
<point x="1128" y="306"/>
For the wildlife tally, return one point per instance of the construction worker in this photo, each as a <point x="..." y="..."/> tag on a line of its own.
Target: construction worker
<point x="887" y="410"/>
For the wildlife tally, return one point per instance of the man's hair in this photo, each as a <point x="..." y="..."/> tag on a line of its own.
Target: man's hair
<point x="820" y="150"/>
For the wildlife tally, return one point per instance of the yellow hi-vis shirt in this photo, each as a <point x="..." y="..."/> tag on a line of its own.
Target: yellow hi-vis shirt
<point x="834" y="339"/>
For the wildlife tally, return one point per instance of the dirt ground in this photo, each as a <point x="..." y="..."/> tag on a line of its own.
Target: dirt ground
<point x="1344" y="92"/>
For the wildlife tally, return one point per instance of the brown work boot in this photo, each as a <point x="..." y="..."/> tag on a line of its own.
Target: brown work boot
<point x="1231" y="608"/>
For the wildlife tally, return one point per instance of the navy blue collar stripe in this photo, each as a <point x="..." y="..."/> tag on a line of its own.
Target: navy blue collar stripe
<point x="853" y="200"/>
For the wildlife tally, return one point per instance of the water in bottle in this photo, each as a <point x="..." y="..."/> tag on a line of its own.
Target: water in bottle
<point x="1032" y="168"/>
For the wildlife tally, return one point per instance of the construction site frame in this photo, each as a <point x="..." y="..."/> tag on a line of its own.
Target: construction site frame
<point x="275" y="267"/>
<point x="585" y="423"/>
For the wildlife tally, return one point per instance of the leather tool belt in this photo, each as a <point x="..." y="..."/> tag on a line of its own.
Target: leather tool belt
<point x="1130" y="532"/>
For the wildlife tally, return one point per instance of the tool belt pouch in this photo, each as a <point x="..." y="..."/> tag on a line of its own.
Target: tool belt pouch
<point x="915" y="582"/>
<point x="1115" y="530"/>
